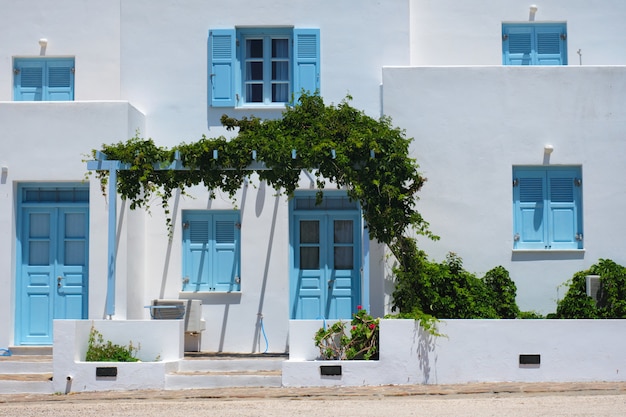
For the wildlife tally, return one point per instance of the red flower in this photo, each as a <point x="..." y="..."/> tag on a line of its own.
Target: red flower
<point x="372" y="326"/>
<point x="353" y="327"/>
<point x="359" y="307"/>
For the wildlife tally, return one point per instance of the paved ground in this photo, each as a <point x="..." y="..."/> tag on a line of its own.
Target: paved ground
<point x="486" y="399"/>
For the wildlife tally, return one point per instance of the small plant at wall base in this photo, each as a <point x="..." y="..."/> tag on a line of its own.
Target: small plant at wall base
<point x="100" y="351"/>
<point x="363" y="342"/>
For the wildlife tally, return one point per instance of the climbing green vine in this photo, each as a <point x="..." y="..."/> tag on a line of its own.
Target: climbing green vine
<point x="337" y="143"/>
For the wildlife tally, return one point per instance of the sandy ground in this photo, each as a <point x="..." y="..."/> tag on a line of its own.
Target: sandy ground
<point x="510" y="405"/>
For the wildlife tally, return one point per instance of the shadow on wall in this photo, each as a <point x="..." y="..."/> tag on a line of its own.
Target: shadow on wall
<point x="425" y="346"/>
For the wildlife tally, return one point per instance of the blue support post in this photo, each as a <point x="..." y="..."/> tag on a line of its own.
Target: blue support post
<point x="365" y="268"/>
<point x="110" y="304"/>
<point x="101" y="164"/>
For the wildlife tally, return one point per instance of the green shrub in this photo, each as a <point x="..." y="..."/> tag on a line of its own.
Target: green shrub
<point x="612" y="303"/>
<point x="446" y="290"/>
<point x="100" y="351"/>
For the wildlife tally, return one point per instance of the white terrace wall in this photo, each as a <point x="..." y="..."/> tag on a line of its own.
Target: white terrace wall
<point x="471" y="125"/>
<point x="469" y="351"/>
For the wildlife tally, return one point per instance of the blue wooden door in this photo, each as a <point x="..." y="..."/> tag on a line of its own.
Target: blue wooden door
<point x="53" y="270"/>
<point x="326" y="267"/>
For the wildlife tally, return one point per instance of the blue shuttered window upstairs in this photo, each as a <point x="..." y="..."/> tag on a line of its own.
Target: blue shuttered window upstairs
<point x="261" y="67"/>
<point x="547" y="208"/>
<point x="534" y="44"/>
<point x="43" y="79"/>
<point x="211" y="260"/>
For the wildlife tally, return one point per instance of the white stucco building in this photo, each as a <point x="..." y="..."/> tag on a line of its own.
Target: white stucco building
<point x="491" y="138"/>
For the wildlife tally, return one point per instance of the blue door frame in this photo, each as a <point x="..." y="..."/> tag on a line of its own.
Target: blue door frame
<point x="326" y="262"/>
<point x="52" y="259"/>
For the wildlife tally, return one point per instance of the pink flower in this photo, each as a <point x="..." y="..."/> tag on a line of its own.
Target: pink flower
<point x="353" y="327"/>
<point x="359" y="307"/>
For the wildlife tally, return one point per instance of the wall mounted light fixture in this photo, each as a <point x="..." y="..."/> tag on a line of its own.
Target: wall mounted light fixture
<point x="43" y="42"/>
<point x="548" y="149"/>
<point x="533" y="10"/>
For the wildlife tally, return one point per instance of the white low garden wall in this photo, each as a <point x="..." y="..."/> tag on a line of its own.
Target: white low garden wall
<point x="471" y="351"/>
<point x="161" y="347"/>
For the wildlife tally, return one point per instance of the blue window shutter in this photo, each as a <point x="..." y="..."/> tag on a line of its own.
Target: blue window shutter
<point x="196" y="253"/>
<point x="306" y="71"/>
<point x="517" y="45"/>
<point x="211" y="260"/>
<point x="60" y="80"/>
<point x="222" y="60"/>
<point x="46" y="79"/>
<point x="551" y="45"/>
<point x="29" y="80"/>
<point x="529" y="194"/>
<point x="534" y="44"/>
<point x="564" y="209"/>
<point x="226" y="253"/>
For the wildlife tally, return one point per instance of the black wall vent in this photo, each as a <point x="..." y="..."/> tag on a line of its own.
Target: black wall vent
<point x="330" y="370"/>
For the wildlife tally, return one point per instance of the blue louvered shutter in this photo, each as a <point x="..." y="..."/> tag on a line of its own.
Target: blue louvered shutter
<point x="222" y="71"/>
<point x="534" y="44"/>
<point x="564" y="219"/>
<point x="60" y="80"/>
<point x="529" y="194"/>
<point x="551" y="45"/>
<point x="306" y="71"/>
<point x="196" y="253"/>
<point x="211" y="260"/>
<point x="48" y="79"/>
<point x="226" y="253"/>
<point x="517" y="45"/>
<point x="29" y="79"/>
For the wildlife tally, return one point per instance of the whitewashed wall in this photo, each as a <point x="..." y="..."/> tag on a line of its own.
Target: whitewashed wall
<point x="153" y="55"/>
<point x="472" y="124"/>
<point x="47" y="142"/>
<point x="468" y="32"/>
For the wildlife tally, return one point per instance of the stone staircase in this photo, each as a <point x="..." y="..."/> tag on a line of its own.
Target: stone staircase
<point x="29" y="370"/>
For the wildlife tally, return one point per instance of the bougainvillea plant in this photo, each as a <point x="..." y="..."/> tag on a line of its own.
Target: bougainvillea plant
<point x="362" y="342"/>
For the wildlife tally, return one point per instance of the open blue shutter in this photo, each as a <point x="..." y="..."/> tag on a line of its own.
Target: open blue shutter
<point x="29" y="79"/>
<point x="196" y="253"/>
<point x="60" y="80"/>
<point x="564" y="204"/>
<point x="551" y="45"/>
<point x="529" y="194"/>
<point x="222" y="60"/>
<point x="226" y="253"/>
<point x="306" y="71"/>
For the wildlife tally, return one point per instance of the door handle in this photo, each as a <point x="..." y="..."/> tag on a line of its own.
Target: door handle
<point x="330" y="283"/>
<point x="59" y="282"/>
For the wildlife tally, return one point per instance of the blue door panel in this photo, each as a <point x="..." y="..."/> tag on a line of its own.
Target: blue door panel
<point x="52" y="269"/>
<point x="325" y="275"/>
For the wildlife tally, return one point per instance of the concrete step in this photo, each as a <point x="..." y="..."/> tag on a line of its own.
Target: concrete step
<point x="27" y="370"/>
<point x="224" y="370"/>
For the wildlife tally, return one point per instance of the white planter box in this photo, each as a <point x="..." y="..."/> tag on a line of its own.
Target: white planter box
<point x="161" y="347"/>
